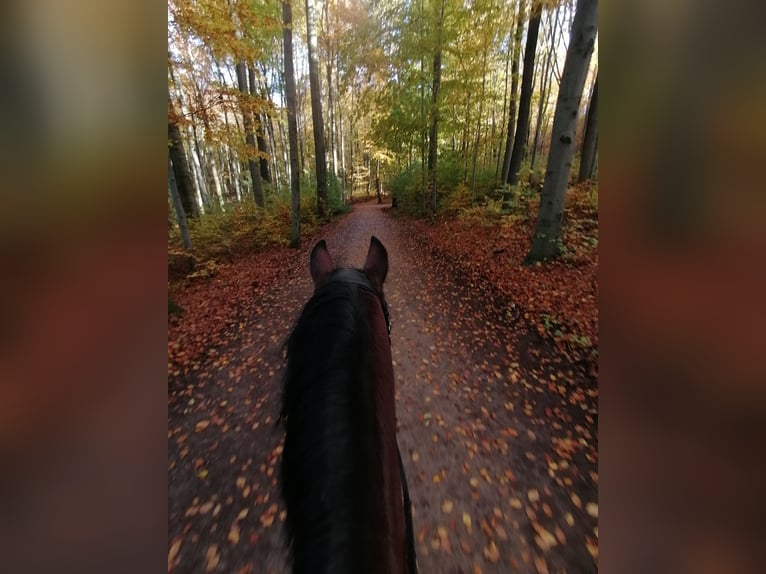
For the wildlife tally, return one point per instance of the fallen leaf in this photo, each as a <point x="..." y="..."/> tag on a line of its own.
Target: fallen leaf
<point x="447" y="506"/>
<point x="212" y="557"/>
<point x="242" y="514"/>
<point x="467" y="522"/>
<point x="415" y="456"/>
<point x="491" y="552"/>
<point x="592" y="509"/>
<point x="533" y="495"/>
<point x="173" y="552"/>
<point x="201" y="425"/>
<point x="234" y="534"/>
<point x="515" y="503"/>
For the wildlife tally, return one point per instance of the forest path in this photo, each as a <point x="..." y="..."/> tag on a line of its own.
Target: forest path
<point x="498" y="435"/>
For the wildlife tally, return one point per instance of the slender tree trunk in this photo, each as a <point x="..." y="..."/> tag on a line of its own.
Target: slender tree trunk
<point x="547" y="80"/>
<point x="514" y="91"/>
<point x="525" y="100"/>
<point x="590" y="141"/>
<point x="433" y="139"/>
<point x="252" y="149"/>
<point x="316" y="109"/>
<point x="183" y="177"/>
<point x="546" y="240"/>
<point x="178" y="206"/>
<point x="258" y="118"/>
<point x="478" y="127"/>
<point x="378" y="188"/>
<point x="292" y="125"/>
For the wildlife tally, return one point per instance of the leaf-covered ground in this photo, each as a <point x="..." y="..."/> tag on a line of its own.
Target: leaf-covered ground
<point x="496" y="400"/>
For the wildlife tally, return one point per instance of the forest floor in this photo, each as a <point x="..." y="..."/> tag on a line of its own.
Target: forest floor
<point x="497" y="394"/>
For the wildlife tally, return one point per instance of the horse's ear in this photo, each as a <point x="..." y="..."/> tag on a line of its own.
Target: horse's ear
<point x="376" y="266"/>
<point x="321" y="264"/>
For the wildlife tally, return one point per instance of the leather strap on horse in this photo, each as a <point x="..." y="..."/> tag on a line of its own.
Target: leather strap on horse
<point x="411" y="558"/>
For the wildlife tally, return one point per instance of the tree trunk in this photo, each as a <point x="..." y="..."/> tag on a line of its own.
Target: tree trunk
<point x="178" y="206"/>
<point x="316" y="109"/>
<point x="525" y="100"/>
<point x="181" y="171"/>
<point x="478" y="126"/>
<point x="292" y="124"/>
<point x="546" y="240"/>
<point x="252" y="149"/>
<point x="545" y="85"/>
<point x="590" y="141"/>
<point x="434" y="135"/>
<point x="514" y="91"/>
<point x="263" y="146"/>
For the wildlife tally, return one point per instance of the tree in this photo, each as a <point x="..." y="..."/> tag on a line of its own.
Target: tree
<point x="252" y="148"/>
<point x="180" y="165"/>
<point x="546" y="240"/>
<point x="292" y="123"/>
<point x="590" y="139"/>
<point x="178" y="206"/>
<point x="433" y="138"/>
<point x="525" y="99"/>
<point x="316" y="109"/>
<point x="514" y="91"/>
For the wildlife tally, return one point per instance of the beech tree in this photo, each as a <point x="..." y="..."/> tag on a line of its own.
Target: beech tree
<point x="590" y="139"/>
<point x="525" y="99"/>
<point x="316" y="109"/>
<point x="546" y="240"/>
<point x="292" y="124"/>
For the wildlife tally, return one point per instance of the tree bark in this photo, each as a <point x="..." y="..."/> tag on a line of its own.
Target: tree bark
<point x="252" y="148"/>
<point x="178" y="206"/>
<point x="316" y="109"/>
<point x="514" y="91"/>
<point x="546" y="240"/>
<point x="259" y="118"/>
<point x="181" y="165"/>
<point x="525" y="99"/>
<point x="590" y="141"/>
<point x="292" y="125"/>
<point x="434" y="134"/>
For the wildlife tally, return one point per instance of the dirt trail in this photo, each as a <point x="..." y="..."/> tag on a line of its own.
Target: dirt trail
<point x="500" y="451"/>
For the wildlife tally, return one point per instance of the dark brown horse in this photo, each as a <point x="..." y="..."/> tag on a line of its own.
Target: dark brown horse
<point x="342" y="476"/>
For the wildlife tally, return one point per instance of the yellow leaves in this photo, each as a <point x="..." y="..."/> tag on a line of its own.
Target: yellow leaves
<point x="569" y="519"/>
<point x="422" y="534"/>
<point x="242" y="514"/>
<point x="533" y="495"/>
<point x="592" y="509"/>
<point x="211" y="557"/>
<point x="491" y="553"/>
<point x="467" y="523"/>
<point x="509" y="406"/>
<point x="173" y="552"/>
<point x="575" y="500"/>
<point x="233" y="536"/>
<point x="544" y="539"/>
<point x="485" y="475"/>
<point x="437" y="478"/>
<point x="592" y="547"/>
<point x="515" y="503"/>
<point x="541" y="565"/>
<point x="241" y="482"/>
<point x="202" y="473"/>
<point x="207" y="507"/>
<point x="201" y="425"/>
<point x="415" y="456"/>
<point x="447" y="506"/>
<point x="474" y="482"/>
<point x="267" y="518"/>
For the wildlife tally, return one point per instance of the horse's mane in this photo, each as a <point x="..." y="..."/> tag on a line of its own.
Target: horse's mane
<point x="330" y="469"/>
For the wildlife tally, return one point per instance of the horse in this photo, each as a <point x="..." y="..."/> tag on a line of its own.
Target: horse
<point x="343" y="482"/>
